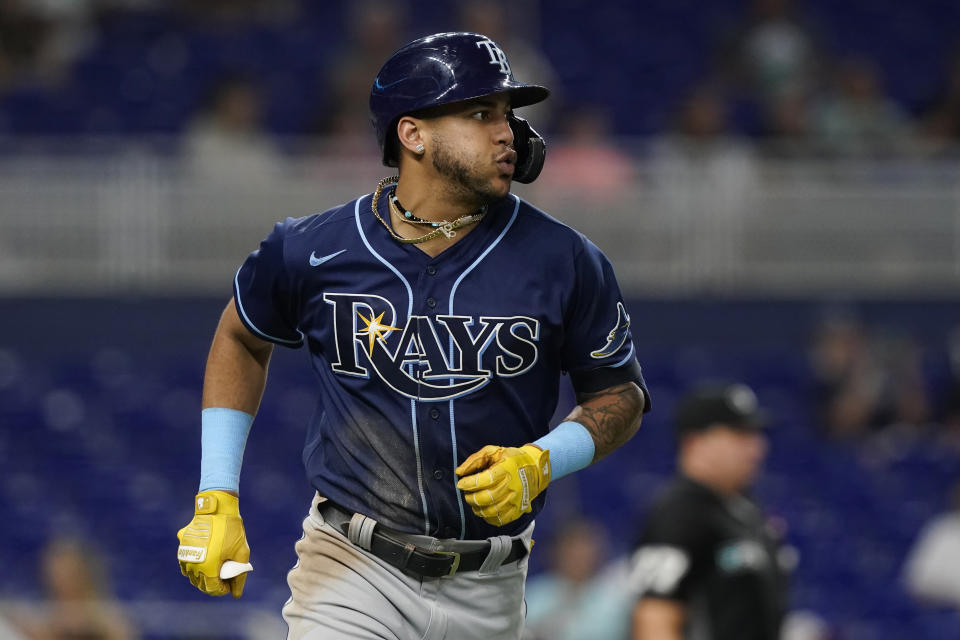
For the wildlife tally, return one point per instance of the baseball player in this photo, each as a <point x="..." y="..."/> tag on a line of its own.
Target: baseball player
<point x="440" y="312"/>
<point x="707" y="565"/>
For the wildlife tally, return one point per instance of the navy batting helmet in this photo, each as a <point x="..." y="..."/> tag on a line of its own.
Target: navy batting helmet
<point x="445" y="68"/>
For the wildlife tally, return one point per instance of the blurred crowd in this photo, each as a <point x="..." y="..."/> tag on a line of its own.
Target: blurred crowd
<point x="769" y="75"/>
<point x="882" y="389"/>
<point x="770" y="86"/>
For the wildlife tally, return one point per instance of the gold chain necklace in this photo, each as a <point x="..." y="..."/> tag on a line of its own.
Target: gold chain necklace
<point x="444" y="227"/>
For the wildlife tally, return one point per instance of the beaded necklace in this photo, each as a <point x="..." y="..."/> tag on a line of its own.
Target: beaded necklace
<point x="442" y="228"/>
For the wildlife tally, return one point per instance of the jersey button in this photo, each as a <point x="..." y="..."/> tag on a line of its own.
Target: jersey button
<point x="434" y="413"/>
<point x="431" y="303"/>
<point x="431" y="270"/>
<point x="438" y="474"/>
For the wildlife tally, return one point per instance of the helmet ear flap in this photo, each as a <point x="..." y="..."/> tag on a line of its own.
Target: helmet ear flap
<point x="531" y="150"/>
<point x="391" y="146"/>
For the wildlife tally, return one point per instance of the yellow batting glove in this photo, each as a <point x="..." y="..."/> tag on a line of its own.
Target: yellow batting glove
<point x="499" y="483"/>
<point x="214" y="536"/>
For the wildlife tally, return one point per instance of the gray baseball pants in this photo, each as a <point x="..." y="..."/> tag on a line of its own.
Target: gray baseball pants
<point x="342" y="592"/>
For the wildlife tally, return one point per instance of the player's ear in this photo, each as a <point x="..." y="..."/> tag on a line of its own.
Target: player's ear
<point x="410" y="133"/>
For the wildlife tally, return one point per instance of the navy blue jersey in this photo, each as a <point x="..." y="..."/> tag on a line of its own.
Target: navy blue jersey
<point x="421" y="361"/>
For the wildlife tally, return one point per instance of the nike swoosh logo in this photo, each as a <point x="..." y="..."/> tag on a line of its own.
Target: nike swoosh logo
<point x="316" y="262"/>
<point x="376" y="82"/>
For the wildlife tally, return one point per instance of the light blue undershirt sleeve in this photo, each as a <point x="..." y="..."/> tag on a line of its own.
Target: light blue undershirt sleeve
<point x="222" y="440"/>
<point x="571" y="448"/>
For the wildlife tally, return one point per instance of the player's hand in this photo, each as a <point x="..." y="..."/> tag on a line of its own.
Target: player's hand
<point x="213" y="537"/>
<point x="499" y="483"/>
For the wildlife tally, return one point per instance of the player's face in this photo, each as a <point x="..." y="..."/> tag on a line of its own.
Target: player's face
<point x="472" y="147"/>
<point x="737" y="454"/>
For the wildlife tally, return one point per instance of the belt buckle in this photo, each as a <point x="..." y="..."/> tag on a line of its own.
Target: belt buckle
<point x="456" y="561"/>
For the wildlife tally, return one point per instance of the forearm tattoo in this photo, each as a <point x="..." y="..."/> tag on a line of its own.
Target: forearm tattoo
<point x="611" y="416"/>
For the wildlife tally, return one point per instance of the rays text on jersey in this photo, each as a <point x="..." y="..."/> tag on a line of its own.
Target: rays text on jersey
<point x="428" y="358"/>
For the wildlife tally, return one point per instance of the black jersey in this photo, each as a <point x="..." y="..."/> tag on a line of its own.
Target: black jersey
<point x="718" y="558"/>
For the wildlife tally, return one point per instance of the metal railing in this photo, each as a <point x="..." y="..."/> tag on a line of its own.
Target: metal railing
<point x="680" y="223"/>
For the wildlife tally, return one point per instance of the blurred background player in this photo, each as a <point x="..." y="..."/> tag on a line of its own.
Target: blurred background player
<point x="707" y="564"/>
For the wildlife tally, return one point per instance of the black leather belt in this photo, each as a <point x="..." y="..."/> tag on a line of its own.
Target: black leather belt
<point x="392" y="547"/>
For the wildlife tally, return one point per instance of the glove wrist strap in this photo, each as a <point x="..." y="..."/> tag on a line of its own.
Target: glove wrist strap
<point x="216" y="503"/>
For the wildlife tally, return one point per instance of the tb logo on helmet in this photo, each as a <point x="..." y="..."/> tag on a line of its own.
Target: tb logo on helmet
<point x="497" y="56"/>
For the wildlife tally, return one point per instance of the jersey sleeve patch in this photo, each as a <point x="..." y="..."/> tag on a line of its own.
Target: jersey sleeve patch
<point x="616" y="337"/>
<point x="598" y="346"/>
